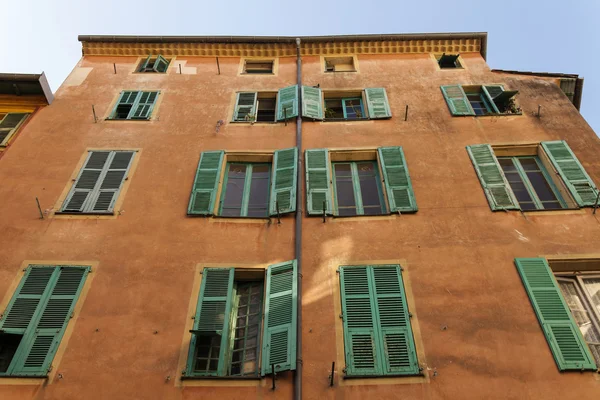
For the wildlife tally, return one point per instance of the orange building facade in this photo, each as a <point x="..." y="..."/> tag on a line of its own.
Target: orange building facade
<point x="447" y="242"/>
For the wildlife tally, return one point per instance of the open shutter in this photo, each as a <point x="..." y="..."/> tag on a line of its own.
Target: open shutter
<point x="84" y="191"/>
<point x="562" y="333"/>
<point x="581" y="186"/>
<point x="144" y="65"/>
<point x="398" y="186"/>
<point x="112" y="180"/>
<point x="318" y="178"/>
<point x="287" y="103"/>
<point x="360" y="332"/>
<point x="377" y="103"/>
<point x="161" y="64"/>
<point x="284" y="182"/>
<point x="125" y="104"/>
<point x="493" y="181"/>
<point x="204" y="191"/>
<point x="245" y="107"/>
<point x="213" y="314"/>
<point x="492" y="92"/>
<point x="457" y="100"/>
<point x="9" y="124"/>
<point x="397" y="346"/>
<point x="312" y="104"/>
<point x="144" y="105"/>
<point x="281" y="310"/>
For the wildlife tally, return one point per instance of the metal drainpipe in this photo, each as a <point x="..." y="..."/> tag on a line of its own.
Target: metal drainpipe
<point x="298" y="236"/>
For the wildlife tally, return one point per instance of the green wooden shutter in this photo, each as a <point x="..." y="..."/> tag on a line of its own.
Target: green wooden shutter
<point x="493" y="181"/>
<point x="127" y="98"/>
<point x="206" y="183"/>
<point x="360" y="322"/>
<point x="397" y="179"/>
<point x="213" y="314"/>
<point x="144" y="65"/>
<point x="562" y="333"/>
<point x="397" y="347"/>
<point x="457" y="100"/>
<point x="284" y="181"/>
<point x="318" y="178"/>
<point x="492" y="92"/>
<point x="377" y="103"/>
<point x="245" y="107"/>
<point x="281" y="310"/>
<point x="112" y="179"/>
<point x="84" y="191"/>
<point x="9" y="124"/>
<point x="312" y="103"/>
<point x="161" y="64"/>
<point x="142" y="109"/>
<point x="287" y="103"/>
<point x="581" y="186"/>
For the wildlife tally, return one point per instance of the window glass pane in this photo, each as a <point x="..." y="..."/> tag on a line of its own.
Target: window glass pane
<point x="248" y="309"/>
<point x="541" y="186"/>
<point x="367" y="173"/>
<point x="258" y="201"/>
<point x="344" y="189"/>
<point x="207" y="353"/>
<point x="334" y="108"/>
<point x="353" y="108"/>
<point x="516" y="184"/>
<point x="477" y="103"/>
<point x="234" y="191"/>
<point x="592" y="286"/>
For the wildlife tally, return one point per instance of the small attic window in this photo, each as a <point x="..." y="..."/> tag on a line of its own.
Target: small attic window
<point x="154" y="64"/>
<point x="258" y="67"/>
<point x="339" y="64"/>
<point x="447" y="61"/>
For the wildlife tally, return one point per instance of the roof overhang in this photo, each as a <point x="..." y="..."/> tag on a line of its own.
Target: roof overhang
<point x="24" y="85"/>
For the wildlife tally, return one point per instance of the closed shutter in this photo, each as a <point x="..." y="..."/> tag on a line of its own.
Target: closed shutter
<point x="40" y="311"/>
<point x="377" y="103"/>
<point x="281" y="310"/>
<point x="312" y="104"/>
<point x="398" y="185"/>
<point x="493" y="181"/>
<point x="457" y="100"/>
<point x="144" y="105"/>
<point x="9" y="125"/>
<point x="284" y="182"/>
<point x="99" y="182"/>
<point x="562" y="333"/>
<point x="245" y="107"/>
<point x="287" y="103"/>
<point x="206" y="183"/>
<point x="161" y="64"/>
<point x="213" y="314"/>
<point x="318" y="178"/>
<point x="581" y="186"/>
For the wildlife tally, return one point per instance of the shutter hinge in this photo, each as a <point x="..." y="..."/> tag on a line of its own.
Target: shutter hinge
<point x="193" y="317"/>
<point x="345" y="370"/>
<point x="50" y="368"/>
<point x="342" y="316"/>
<point x="409" y="315"/>
<point x="126" y="178"/>
<point x="337" y="271"/>
<point x="72" y="314"/>
<point x="183" y="373"/>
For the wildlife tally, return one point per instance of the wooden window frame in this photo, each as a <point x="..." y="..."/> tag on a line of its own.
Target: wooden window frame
<point x="265" y="94"/>
<point x="342" y="95"/>
<point x="459" y="60"/>
<point x="142" y="65"/>
<point x="134" y="106"/>
<point x="246" y="190"/>
<point x="14" y="130"/>
<point x="326" y="59"/>
<point x="356" y="188"/>
<point x="274" y="69"/>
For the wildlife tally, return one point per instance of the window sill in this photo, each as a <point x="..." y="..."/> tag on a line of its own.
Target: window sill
<point x="491" y="115"/>
<point x="419" y="375"/>
<point x="257" y="122"/>
<point x="221" y="378"/>
<point x="84" y="213"/>
<point x="23" y="380"/>
<point x="345" y="119"/>
<point x="340" y="72"/>
<point x="132" y="119"/>
<point x="258" y="73"/>
<point x="563" y="211"/>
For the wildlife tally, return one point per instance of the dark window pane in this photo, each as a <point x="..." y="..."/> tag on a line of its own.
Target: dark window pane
<point x="234" y="191"/>
<point x="541" y="186"/>
<point x="370" y="194"/>
<point x="353" y="108"/>
<point x="334" y="108"/>
<point x="345" y="193"/>
<point x="343" y="170"/>
<point x="552" y="205"/>
<point x="529" y="164"/>
<point x="8" y="347"/>
<point x="507" y="165"/>
<point x="527" y="206"/>
<point x="477" y="103"/>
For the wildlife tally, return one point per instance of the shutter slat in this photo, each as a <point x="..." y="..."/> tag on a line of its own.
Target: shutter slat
<point x="287" y="103"/>
<point x="397" y="179"/>
<point x="377" y="103"/>
<point x="144" y="106"/>
<point x="245" y="106"/>
<point x="318" y="178"/>
<point x="281" y="309"/>
<point x="206" y="183"/>
<point x="581" y="186"/>
<point x="497" y="190"/>
<point x="284" y="181"/>
<point x="562" y="333"/>
<point x="113" y="180"/>
<point x="161" y="64"/>
<point x="312" y="104"/>
<point x="457" y="100"/>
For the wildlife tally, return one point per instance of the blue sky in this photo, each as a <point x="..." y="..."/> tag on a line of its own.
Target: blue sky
<point x="530" y="35"/>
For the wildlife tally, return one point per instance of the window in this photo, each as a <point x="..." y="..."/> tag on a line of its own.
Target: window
<point x="258" y="66"/>
<point x="154" y="64"/>
<point x="547" y="176"/>
<point x="480" y="100"/>
<point x="378" y="338"/>
<point x="347" y="105"/>
<point x="9" y="124"/>
<point x="447" y="61"/>
<point x="99" y="183"/>
<point x="356" y="187"/>
<point x="266" y="106"/>
<point x="530" y="183"/>
<point x="567" y="310"/>
<point x="254" y="185"/>
<point x="339" y="64"/>
<point x="344" y="108"/>
<point x="246" y="190"/>
<point x="226" y="339"/>
<point x="36" y="318"/>
<point x="134" y="105"/>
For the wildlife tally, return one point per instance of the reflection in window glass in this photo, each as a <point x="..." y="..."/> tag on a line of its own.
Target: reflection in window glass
<point x="357" y="188"/>
<point x="246" y="193"/>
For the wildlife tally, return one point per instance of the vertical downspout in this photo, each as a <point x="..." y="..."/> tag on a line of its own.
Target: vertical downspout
<point x="298" y="236"/>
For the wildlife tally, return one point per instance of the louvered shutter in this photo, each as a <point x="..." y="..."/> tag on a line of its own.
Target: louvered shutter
<point x="8" y="125"/>
<point x="206" y="183"/>
<point x="492" y="92"/>
<point x="359" y="319"/>
<point x="113" y="177"/>
<point x="213" y="314"/>
<point x="562" y="333"/>
<point x="491" y="176"/>
<point x="397" y="347"/>
<point x="161" y="64"/>
<point x="312" y="104"/>
<point x="287" y="103"/>
<point x="457" y="100"/>
<point x="281" y="310"/>
<point x="245" y="107"/>
<point x="127" y="98"/>
<point x="284" y="181"/>
<point x="318" y="178"/>
<point x="144" y="65"/>
<point x="581" y="186"/>
<point x="377" y="103"/>
<point x="144" y="105"/>
<point x="398" y="185"/>
<point x="84" y="191"/>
